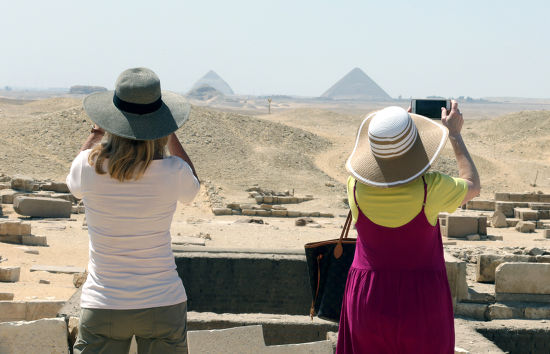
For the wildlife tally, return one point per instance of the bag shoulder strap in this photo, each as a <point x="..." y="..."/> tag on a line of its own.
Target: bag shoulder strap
<point x="338" y="250"/>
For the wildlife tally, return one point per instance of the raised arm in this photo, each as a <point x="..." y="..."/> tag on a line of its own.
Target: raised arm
<point x="96" y="134"/>
<point x="453" y="120"/>
<point x="175" y="149"/>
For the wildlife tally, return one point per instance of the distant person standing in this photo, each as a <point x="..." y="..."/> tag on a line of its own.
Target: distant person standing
<point x="397" y="297"/>
<point x="130" y="189"/>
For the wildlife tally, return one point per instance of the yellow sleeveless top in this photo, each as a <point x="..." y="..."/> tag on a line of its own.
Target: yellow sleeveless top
<point x="396" y="206"/>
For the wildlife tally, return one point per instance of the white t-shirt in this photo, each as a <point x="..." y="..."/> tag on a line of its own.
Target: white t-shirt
<point x="131" y="262"/>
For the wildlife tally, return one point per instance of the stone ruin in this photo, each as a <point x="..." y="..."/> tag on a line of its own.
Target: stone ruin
<point x="269" y="203"/>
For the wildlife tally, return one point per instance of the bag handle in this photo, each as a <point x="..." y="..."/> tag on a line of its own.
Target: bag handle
<point x="338" y="250"/>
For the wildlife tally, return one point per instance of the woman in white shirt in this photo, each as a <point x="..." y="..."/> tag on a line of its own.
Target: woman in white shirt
<point x="130" y="189"/>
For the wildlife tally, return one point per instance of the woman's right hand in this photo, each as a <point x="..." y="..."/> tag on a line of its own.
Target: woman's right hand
<point x="453" y="119"/>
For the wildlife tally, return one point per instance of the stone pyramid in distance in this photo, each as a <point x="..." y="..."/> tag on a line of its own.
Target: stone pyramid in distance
<point x="213" y="80"/>
<point x="356" y="85"/>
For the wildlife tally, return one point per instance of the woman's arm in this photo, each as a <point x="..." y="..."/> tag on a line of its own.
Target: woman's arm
<point x="453" y="120"/>
<point x="94" y="138"/>
<point x="175" y="149"/>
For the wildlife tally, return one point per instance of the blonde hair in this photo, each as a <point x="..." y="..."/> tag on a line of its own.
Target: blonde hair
<point x="128" y="159"/>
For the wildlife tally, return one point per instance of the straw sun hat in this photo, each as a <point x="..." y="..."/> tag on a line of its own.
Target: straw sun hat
<point x="137" y="108"/>
<point x="394" y="147"/>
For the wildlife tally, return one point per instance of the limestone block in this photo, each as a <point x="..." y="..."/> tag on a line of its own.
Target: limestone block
<point x="58" y="187"/>
<point x="537" y="312"/>
<point x="508" y="207"/>
<point x="221" y="211"/>
<point x="23" y="183"/>
<point x="234" y="206"/>
<point x="544" y="198"/>
<point x="488" y="263"/>
<point x="248" y="212"/>
<point x="539" y="206"/>
<point x="502" y="196"/>
<point x="259" y="199"/>
<point x="498" y="219"/>
<point x="525" y="226"/>
<point x="278" y="207"/>
<point x="42" y="207"/>
<point x="285" y="200"/>
<point x="474" y="237"/>
<point x="14" y="228"/>
<point x="495" y="238"/>
<point x="5" y="185"/>
<point x="12" y="311"/>
<point x="65" y="196"/>
<point x="482" y="225"/>
<point x="266" y="206"/>
<point x="268" y="199"/>
<point x="11" y="239"/>
<point x="293" y="214"/>
<point x="38" y="309"/>
<point x="326" y="215"/>
<point x="501" y="312"/>
<point x="32" y="240"/>
<point x="461" y="226"/>
<point x="523" y="278"/>
<point x="511" y="222"/>
<point x="7" y="195"/>
<point x="247" y="340"/>
<point x="9" y="274"/>
<point x="524" y="197"/>
<point x="456" y="275"/>
<point x="547" y="233"/>
<point x="235" y="212"/>
<point x="526" y="214"/>
<point x="279" y="213"/>
<point x="480" y="204"/>
<point x="6" y="296"/>
<point x="472" y="310"/>
<point x="47" y="335"/>
<point x="263" y="212"/>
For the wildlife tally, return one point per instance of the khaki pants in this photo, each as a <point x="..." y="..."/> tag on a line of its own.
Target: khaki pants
<point x="157" y="330"/>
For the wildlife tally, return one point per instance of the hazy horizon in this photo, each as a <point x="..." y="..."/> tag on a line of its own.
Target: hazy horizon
<point x="477" y="49"/>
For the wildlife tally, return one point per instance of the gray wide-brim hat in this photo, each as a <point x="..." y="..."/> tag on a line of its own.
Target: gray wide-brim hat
<point x="137" y="109"/>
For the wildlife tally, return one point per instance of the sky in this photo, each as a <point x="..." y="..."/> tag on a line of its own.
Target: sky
<point x="477" y="48"/>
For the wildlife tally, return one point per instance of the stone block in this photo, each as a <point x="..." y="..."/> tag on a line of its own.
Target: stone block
<point x="456" y="275"/>
<point x="14" y="228"/>
<point x="245" y="340"/>
<point x="263" y="212"/>
<point x="47" y="335"/>
<point x="72" y="328"/>
<point x="461" y="226"/>
<point x="259" y="199"/>
<point x="266" y="206"/>
<point x="547" y="233"/>
<point x="38" y="309"/>
<point x="6" y="296"/>
<point x="502" y="312"/>
<point x="525" y="226"/>
<point x="472" y="310"/>
<point x="498" y="220"/>
<point x="42" y="207"/>
<point x="502" y="196"/>
<point x="474" y="237"/>
<point x="523" y="278"/>
<point x="221" y="211"/>
<point x="7" y="196"/>
<point x="268" y="199"/>
<point x="544" y="198"/>
<point x="480" y="204"/>
<point x="32" y="240"/>
<point x="4" y="185"/>
<point x="234" y="206"/>
<point x="326" y="215"/>
<point x="23" y="183"/>
<point x="524" y="197"/>
<point x="537" y="312"/>
<point x="293" y="214"/>
<point x="58" y="187"/>
<point x="65" y="196"/>
<point x="526" y="214"/>
<point x="12" y="311"/>
<point x="9" y="274"/>
<point x="482" y="225"/>
<point x="488" y="263"/>
<point x="508" y="207"/>
<point x="539" y="206"/>
<point x="279" y="213"/>
<point x="249" y="212"/>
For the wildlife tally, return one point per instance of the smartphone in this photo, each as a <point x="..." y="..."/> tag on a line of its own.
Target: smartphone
<point x="430" y="108"/>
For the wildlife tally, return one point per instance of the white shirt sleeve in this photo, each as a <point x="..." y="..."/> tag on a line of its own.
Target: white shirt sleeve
<point x="188" y="186"/>
<point x="74" y="178"/>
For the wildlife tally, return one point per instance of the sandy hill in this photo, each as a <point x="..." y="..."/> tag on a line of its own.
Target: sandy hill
<point x="231" y="150"/>
<point x="214" y="80"/>
<point x="356" y="85"/>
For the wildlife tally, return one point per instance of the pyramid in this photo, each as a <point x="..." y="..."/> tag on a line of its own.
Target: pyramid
<point x="213" y="80"/>
<point x="356" y="85"/>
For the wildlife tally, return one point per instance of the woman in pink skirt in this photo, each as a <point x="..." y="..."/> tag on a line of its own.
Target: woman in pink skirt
<point x="397" y="298"/>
